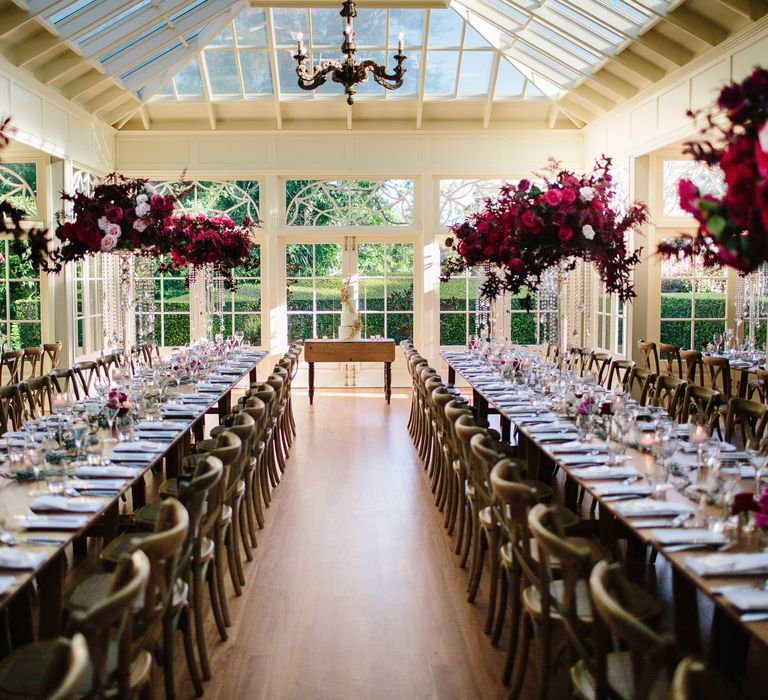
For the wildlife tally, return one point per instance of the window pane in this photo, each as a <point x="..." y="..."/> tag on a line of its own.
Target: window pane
<point x="475" y="72"/>
<point x="453" y="329"/>
<point x="250" y="27"/>
<point x="441" y="72"/>
<point x="257" y="74"/>
<point x="445" y="28"/>
<point x="222" y="72"/>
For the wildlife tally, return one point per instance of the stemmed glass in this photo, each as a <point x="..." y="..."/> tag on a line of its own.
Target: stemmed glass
<point x="33" y="458"/>
<point x="239" y="336"/>
<point x="79" y="433"/>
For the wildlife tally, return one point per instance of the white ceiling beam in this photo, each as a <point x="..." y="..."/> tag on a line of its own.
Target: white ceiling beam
<point x="108" y="98"/>
<point x="272" y="54"/>
<point x="145" y="121"/>
<point x="613" y="83"/>
<point x="648" y="71"/>
<point x="422" y="72"/>
<point x="207" y="92"/>
<point x="122" y="114"/>
<point x="576" y="110"/>
<point x="88" y="17"/>
<point x="750" y="9"/>
<point x="33" y="48"/>
<point x="139" y="51"/>
<point x="665" y="48"/>
<point x="694" y="25"/>
<point x="591" y="98"/>
<point x="491" y="89"/>
<point x="12" y="18"/>
<point x="349" y="116"/>
<point x="554" y="113"/>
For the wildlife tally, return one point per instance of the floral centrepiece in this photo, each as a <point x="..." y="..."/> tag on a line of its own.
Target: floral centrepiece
<point x="199" y="241"/>
<point x="530" y="228"/>
<point x="118" y="401"/>
<point x="732" y="229"/>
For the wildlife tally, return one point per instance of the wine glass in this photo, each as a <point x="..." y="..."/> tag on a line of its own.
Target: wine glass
<point x="33" y="458"/>
<point x="79" y="433"/>
<point x="239" y="336"/>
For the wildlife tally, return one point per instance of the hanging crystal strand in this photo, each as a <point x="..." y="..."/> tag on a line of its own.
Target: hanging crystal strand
<point x="107" y="323"/>
<point x="127" y="301"/>
<point x="762" y="291"/>
<point x="738" y="304"/>
<point x="482" y="305"/>
<point x="145" y="300"/>
<point x="220" y="292"/>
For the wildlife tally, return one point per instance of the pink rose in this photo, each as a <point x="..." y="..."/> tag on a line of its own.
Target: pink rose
<point x="140" y="225"/>
<point x="113" y="230"/>
<point x="108" y="242"/>
<point x="553" y="197"/>
<point x="142" y="209"/>
<point x="569" y="196"/>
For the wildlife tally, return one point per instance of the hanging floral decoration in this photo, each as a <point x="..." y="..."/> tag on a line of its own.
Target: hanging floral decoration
<point x="216" y="241"/>
<point x="529" y="228"/>
<point x="11" y="217"/>
<point x="732" y="229"/>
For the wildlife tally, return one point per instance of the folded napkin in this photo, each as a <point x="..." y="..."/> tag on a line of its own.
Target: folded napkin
<point x="20" y="559"/>
<point x="746" y="598"/>
<point x="162" y="425"/>
<point x="576" y="446"/>
<point x="691" y="535"/>
<point x="650" y="507"/>
<point x="727" y="564"/>
<point x="96" y="484"/>
<point x="622" y="489"/>
<point x="64" y="504"/>
<point x="603" y="472"/>
<point x="140" y="446"/>
<point x="133" y="457"/>
<point x="52" y="522"/>
<point x="231" y="371"/>
<point x="194" y="399"/>
<point x="210" y="387"/>
<point x="548" y="438"/>
<point x="109" y="471"/>
<point x="582" y="460"/>
<point x="161" y="435"/>
<point x="180" y="411"/>
<point x="5" y="583"/>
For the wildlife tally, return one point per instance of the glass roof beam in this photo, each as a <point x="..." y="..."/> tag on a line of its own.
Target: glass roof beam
<point x="688" y="21"/>
<point x="423" y="71"/>
<point x="491" y="89"/>
<point x="271" y="52"/>
<point x="207" y="92"/>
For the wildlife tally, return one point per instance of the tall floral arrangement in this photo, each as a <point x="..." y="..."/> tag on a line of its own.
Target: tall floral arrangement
<point x="199" y="241"/>
<point x="120" y="214"/>
<point x="732" y="229"/>
<point x="529" y="228"/>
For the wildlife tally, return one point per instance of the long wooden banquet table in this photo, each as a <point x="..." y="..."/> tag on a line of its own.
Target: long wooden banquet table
<point x="733" y="631"/>
<point x="49" y="573"/>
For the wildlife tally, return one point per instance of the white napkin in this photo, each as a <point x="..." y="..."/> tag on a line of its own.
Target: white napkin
<point x="96" y="484"/>
<point x="20" y="559"/>
<point x="180" y="411"/>
<point x="109" y="471"/>
<point x="622" y="489"/>
<point x="53" y="522"/>
<point x="139" y="446"/>
<point x="64" y="504"/>
<point x="691" y="535"/>
<point x="582" y="460"/>
<point x="604" y="472"/>
<point x="576" y="446"/>
<point x="165" y="425"/>
<point x="727" y="564"/>
<point x="746" y="598"/>
<point x="649" y="507"/>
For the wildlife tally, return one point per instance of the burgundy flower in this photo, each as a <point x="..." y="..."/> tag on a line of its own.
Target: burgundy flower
<point x="553" y="196"/>
<point x="731" y="97"/>
<point x="114" y="214"/>
<point x="565" y="234"/>
<point x="744" y="502"/>
<point x="529" y="219"/>
<point x="569" y="196"/>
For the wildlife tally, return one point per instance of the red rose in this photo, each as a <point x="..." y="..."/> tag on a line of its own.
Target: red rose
<point x="569" y="196"/>
<point x="565" y="234"/>
<point x="528" y="219"/>
<point x="553" y="196"/>
<point x="516" y="265"/>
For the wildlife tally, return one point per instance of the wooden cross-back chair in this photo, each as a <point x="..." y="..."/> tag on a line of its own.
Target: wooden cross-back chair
<point x="694" y="367"/>
<point x="669" y="354"/>
<point x="51" y="353"/>
<point x="650" y="355"/>
<point x="702" y="405"/>
<point x="618" y="374"/>
<point x="641" y="382"/>
<point x="11" y="408"/>
<point x="752" y="416"/>
<point x="36" y="396"/>
<point x="758" y="385"/>
<point x="599" y="363"/>
<point x="718" y="371"/>
<point x="64" y="380"/>
<point x="31" y="363"/>
<point x="10" y="366"/>
<point x="88" y="375"/>
<point x="668" y="394"/>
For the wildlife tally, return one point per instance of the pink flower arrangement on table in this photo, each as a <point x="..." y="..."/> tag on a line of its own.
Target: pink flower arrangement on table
<point x="118" y="401"/>
<point x="529" y="228"/>
<point x="216" y="241"/>
<point x="733" y="229"/>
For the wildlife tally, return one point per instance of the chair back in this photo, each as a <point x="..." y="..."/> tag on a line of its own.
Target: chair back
<point x="11" y="408"/>
<point x="584" y="359"/>
<point x="226" y="447"/>
<point x="650" y="355"/>
<point x="672" y="361"/>
<point x="110" y="616"/>
<point x="599" y="364"/>
<point x="693" y="680"/>
<point x="10" y="366"/>
<point x="31" y="363"/>
<point x="109" y="363"/>
<point x="88" y="374"/>
<point x="36" y="396"/>
<point x="669" y="394"/>
<point x="256" y="409"/>
<point x="70" y="663"/>
<point x="718" y="371"/>
<point x="641" y="383"/>
<point x="693" y="366"/>
<point x="486" y="452"/>
<point x="65" y="381"/>
<point x="619" y="611"/>
<point x="618" y="374"/>
<point x="702" y="405"/>
<point x="752" y="416"/>
<point x="51" y="352"/>
<point x="466" y="428"/>
<point x="244" y="427"/>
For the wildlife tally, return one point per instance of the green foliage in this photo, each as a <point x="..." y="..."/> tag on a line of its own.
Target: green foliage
<point x="18" y="185"/>
<point x="677" y="305"/>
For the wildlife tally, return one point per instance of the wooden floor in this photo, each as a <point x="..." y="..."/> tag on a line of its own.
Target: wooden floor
<point x="354" y="590"/>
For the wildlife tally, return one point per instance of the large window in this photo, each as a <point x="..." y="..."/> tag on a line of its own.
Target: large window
<point x="172" y="304"/>
<point x="238" y="199"/>
<point x="459" y="198"/>
<point x="385" y="289"/>
<point x="18" y="184"/>
<point x="313" y="284"/>
<point x="611" y="322"/>
<point x="693" y="303"/>
<point x="348" y="202"/>
<point x="708" y="180"/>
<point x="242" y="307"/>
<point x="20" y="323"/>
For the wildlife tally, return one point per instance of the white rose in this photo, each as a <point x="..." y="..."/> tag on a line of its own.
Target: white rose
<point x="142" y="209"/>
<point x="108" y="242"/>
<point x="140" y="225"/>
<point x="103" y="223"/>
<point x="588" y="232"/>
<point x="762" y="137"/>
<point x="586" y="193"/>
<point x="140" y="199"/>
<point x="113" y="230"/>
<point x="150" y="188"/>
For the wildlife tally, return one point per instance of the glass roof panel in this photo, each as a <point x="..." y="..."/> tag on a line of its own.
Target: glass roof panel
<point x="223" y="38"/>
<point x="286" y="70"/>
<point x="132" y="42"/>
<point x="257" y="74"/>
<point x="370" y="27"/>
<point x="586" y="22"/>
<point x="412" y="71"/>
<point x="251" y="27"/>
<point x="222" y="72"/>
<point x="532" y="91"/>
<point x="410" y="23"/>
<point x="186" y="10"/>
<point x="188" y="82"/>
<point x="67" y="11"/>
<point x="165" y="91"/>
<point x="475" y="72"/>
<point x="444" y="29"/>
<point x="371" y="87"/>
<point x="441" y="72"/>
<point x="151" y="59"/>
<point x="288" y="22"/>
<point x="125" y="14"/>
<point x="327" y="27"/>
<point x="473" y="40"/>
<point x="509" y="80"/>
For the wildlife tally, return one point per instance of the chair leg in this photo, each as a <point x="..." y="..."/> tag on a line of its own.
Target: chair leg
<point x="545" y="643"/>
<point x="515" y="622"/>
<point x="493" y="554"/>
<point x="247" y="538"/>
<point x="258" y="510"/>
<point x="196" y="594"/>
<point x="478" y="562"/>
<point x="222" y="550"/>
<point x="501" y="613"/>
<point x="521" y="656"/>
<point x="168" y="654"/>
<point x="185" y="624"/>
<point x="218" y="610"/>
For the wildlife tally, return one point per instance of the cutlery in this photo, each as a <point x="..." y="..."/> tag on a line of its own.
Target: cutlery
<point x="7" y="538"/>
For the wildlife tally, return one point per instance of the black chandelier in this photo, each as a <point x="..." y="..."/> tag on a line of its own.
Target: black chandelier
<point x="347" y="72"/>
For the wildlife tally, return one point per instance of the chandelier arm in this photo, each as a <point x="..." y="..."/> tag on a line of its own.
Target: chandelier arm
<point x="310" y="81"/>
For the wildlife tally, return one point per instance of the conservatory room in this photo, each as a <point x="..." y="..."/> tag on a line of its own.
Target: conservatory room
<point x="384" y="349"/>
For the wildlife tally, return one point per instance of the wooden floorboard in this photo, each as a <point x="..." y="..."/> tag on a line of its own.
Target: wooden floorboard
<point x="354" y="590"/>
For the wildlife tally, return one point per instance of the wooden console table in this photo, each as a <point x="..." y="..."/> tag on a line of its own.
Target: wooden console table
<point x="322" y="350"/>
